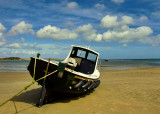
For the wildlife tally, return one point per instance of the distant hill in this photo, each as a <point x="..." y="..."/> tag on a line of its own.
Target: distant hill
<point x="13" y="59"/>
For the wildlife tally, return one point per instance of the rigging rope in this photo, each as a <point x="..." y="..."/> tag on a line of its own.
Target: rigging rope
<point x="34" y="68"/>
<point x="26" y="87"/>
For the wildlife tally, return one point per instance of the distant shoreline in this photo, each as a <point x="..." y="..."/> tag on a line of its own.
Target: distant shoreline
<point x="27" y="59"/>
<point x="14" y="59"/>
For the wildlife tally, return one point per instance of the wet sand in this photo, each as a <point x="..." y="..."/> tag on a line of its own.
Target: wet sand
<point x="134" y="91"/>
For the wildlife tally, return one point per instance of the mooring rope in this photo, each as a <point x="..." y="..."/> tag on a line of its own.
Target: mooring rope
<point x="26" y="87"/>
<point x="34" y="68"/>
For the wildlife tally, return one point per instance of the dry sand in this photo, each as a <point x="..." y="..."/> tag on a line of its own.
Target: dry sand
<point x="134" y="91"/>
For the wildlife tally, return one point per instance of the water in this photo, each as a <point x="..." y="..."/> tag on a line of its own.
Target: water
<point x="122" y="64"/>
<point x="113" y="64"/>
<point x="13" y="66"/>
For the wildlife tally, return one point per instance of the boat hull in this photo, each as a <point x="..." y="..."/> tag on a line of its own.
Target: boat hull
<point x="69" y="82"/>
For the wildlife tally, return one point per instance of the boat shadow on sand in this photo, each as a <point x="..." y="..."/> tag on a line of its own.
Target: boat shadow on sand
<point x="33" y="96"/>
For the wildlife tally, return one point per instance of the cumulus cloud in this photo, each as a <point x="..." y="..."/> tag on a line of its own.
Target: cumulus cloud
<point x="68" y="24"/>
<point x="98" y="38"/>
<point x="20" y="44"/>
<point x="2" y="44"/>
<point x="21" y="28"/>
<point x="99" y="6"/>
<point x="118" y="1"/>
<point x="18" y="47"/>
<point x="33" y="46"/>
<point x="22" y="40"/>
<point x="56" y="33"/>
<point x="143" y="18"/>
<point x="55" y="47"/>
<point x="117" y="30"/>
<point x="154" y="40"/>
<point x="111" y="21"/>
<point x="14" y="45"/>
<point x="128" y="35"/>
<point x="15" y="52"/>
<point x="121" y="32"/>
<point x="88" y="33"/>
<point x="2" y="38"/>
<point x="108" y="21"/>
<point x="72" y="5"/>
<point x="126" y="20"/>
<point x="2" y="28"/>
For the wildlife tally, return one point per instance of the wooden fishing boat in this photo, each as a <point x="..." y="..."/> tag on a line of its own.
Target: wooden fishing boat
<point x="78" y="73"/>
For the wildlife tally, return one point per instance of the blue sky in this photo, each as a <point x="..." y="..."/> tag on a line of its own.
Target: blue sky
<point x="117" y="29"/>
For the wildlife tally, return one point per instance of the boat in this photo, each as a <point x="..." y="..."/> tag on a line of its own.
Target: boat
<point x="77" y="73"/>
<point x="106" y="60"/>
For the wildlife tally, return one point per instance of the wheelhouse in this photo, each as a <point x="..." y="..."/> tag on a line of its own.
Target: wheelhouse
<point x="82" y="60"/>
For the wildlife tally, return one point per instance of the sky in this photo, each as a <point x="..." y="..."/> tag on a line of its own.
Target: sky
<point x="117" y="29"/>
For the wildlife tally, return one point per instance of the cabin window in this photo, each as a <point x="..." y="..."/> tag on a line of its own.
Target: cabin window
<point x="73" y="52"/>
<point x="91" y="57"/>
<point x="81" y="53"/>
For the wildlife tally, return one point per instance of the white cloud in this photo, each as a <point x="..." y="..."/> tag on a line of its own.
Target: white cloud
<point x="2" y="38"/>
<point x="21" y="28"/>
<point x="13" y="45"/>
<point x="121" y="32"/>
<point x="154" y="40"/>
<point x="72" y="5"/>
<point x="126" y="20"/>
<point x="118" y="1"/>
<point x="22" y="40"/>
<point x="156" y="14"/>
<point x="51" y="50"/>
<point x="20" y="49"/>
<point x="1" y="34"/>
<point x="139" y="34"/>
<point x="68" y="24"/>
<point x="98" y="38"/>
<point x="143" y="18"/>
<point x="2" y="44"/>
<point x="15" y="52"/>
<point x="33" y="46"/>
<point x="2" y="28"/>
<point x="92" y="13"/>
<point x="117" y="30"/>
<point x="56" y="33"/>
<point x="111" y="21"/>
<point x="88" y="33"/>
<point x="99" y="6"/>
<point x="20" y="44"/>
<point x="85" y="28"/>
<point x="108" y="21"/>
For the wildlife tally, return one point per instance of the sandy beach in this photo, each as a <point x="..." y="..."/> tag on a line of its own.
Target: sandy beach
<point x="133" y="91"/>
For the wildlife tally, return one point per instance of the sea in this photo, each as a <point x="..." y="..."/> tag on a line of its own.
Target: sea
<point x="112" y="64"/>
